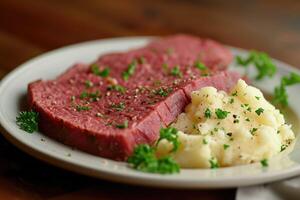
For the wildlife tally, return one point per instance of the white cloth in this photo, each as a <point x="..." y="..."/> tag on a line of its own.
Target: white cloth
<point x="283" y="190"/>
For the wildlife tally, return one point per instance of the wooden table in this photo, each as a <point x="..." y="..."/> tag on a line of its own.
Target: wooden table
<point x="30" y="27"/>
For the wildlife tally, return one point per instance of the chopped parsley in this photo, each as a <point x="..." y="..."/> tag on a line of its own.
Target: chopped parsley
<point x="221" y="114"/>
<point x="234" y="94"/>
<point x="199" y="65"/>
<point x="231" y="101"/>
<point x="280" y="94"/>
<point x="122" y="125"/>
<point x="176" y="71"/>
<point x="117" y="88"/>
<point x="94" y="96"/>
<point x="95" y="70"/>
<point x="283" y="147"/>
<point x="28" y="121"/>
<point x="247" y="119"/>
<point x="214" y="163"/>
<point x="253" y="130"/>
<point x="171" y="135"/>
<point x="130" y="70"/>
<point x="264" y="162"/>
<point x="257" y="97"/>
<point x="162" y="92"/>
<point x="118" y="107"/>
<point x="207" y="113"/>
<point x="88" y="84"/>
<point x="144" y="159"/>
<point x="262" y="62"/>
<point x="226" y="146"/>
<point x="204" y="141"/>
<point x="259" y="111"/>
<point x="82" y="108"/>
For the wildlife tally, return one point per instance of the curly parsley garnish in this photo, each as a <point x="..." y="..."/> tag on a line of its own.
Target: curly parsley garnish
<point x="171" y="135"/>
<point x="95" y="70"/>
<point x="221" y="114"/>
<point x="262" y="62"/>
<point x="130" y="70"/>
<point x="144" y="159"/>
<point x="28" y="121"/>
<point x="280" y="94"/>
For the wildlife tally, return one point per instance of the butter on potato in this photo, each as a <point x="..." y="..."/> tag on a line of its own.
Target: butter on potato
<point x="240" y="127"/>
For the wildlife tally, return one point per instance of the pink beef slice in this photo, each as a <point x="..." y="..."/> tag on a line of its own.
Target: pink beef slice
<point x="153" y="98"/>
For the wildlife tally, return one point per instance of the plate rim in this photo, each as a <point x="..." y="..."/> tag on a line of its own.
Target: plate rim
<point x="128" y="179"/>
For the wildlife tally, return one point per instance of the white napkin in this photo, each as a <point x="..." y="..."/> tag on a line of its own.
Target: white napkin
<point x="283" y="190"/>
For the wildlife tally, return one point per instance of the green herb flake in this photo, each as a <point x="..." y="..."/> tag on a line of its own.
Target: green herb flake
<point x="214" y="163"/>
<point x="28" y="121"/>
<point x="207" y="113"/>
<point x="118" y="107"/>
<point x="170" y="134"/>
<point x="204" y="141"/>
<point x="259" y="111"/>
<point x="117" y="88"/>
<point x="253" y="130"/>
<point x="95" y="70"/>
<point x="257" y="97"/>
<point x="176" y="71"/>
<point x="226" y="146"/>
<point x="122" y="125"/>
<point x="234" y="94"/>
<point x="83" y="95"/>
<point x="231" y="101"/>
<point x="199" y="65"/>
<point x="264" y="162"/>
<point x="165" y="67"/>
<point x="130" y="70"/>
<point x="88" y="84"/>
<point x="283" y="147"/>
<point x="221" y="114"/>
<point x="247" y="119"/>
<point x="262" y="62"/>
<point x="82" y="108"/>
<point x="162" y="92"/>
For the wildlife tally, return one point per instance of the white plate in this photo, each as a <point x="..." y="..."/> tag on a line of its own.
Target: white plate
<point x="49" y="65"/>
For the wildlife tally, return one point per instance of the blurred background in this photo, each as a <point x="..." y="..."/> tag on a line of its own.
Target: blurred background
<point x="31" y="27"/>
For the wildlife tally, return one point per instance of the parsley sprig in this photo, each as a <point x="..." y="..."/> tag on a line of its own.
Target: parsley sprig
<point x="28" y="121"/>
<point x="145" y="160"/>
<point x="262" y="62"/>
<point x="171" y="135"/>
<point x="280" y="93"/>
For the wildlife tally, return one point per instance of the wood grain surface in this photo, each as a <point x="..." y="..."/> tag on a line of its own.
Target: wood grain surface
<point x="30" y="27"/>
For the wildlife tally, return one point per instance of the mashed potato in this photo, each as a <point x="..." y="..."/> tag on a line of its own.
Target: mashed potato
<point x="220" y="129"/>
